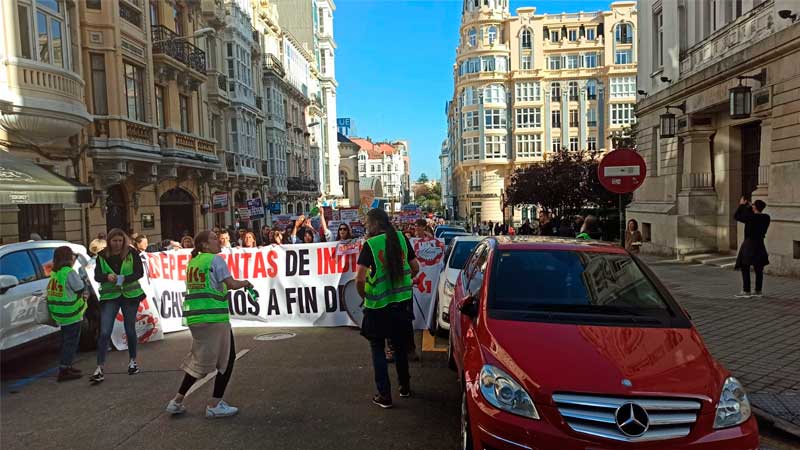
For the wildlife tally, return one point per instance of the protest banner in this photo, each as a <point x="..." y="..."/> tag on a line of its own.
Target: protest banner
<point x="219" y="202"/>
<point x="348" y="214"/>
<point x="430" y="255"/>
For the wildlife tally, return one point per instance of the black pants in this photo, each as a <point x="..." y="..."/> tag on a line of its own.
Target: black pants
<point x="759" y="270"/>
<point x="381" y="367"/>
<point x="220" y="382"/>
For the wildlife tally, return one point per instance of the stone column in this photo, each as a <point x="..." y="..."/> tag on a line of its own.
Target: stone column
<point x="697" y="220"/>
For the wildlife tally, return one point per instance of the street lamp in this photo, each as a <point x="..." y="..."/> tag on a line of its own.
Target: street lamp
<point x="741" y="105"/>
<point x="669" y="125"/>
<point x="199" y="33"/>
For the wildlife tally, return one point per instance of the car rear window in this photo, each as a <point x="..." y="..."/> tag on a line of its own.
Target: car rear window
<point x="461" y="251"/>
<point x="573" y="282"/>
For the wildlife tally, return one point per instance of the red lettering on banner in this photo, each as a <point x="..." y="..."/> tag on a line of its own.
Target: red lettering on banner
<point x="233" y="265"/>
<point x="272" y="260"/>
<point x="172" y="267"/>
<point x="329" y="255"/>
<point x="319" y="261"/>
<point x="164" y="265"/>
<point x="259" y="269"/>
<point x="183" y="260"/>
<point x="153" y="266"/>
<point x="246" y="263"/>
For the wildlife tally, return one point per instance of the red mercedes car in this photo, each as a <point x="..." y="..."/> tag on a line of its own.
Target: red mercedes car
<point x="566" y="345"/>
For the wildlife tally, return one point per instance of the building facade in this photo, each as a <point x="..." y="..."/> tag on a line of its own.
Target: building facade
<point x="699" y="167"/>
<point x="445" y="176"/>
<point x="386" y="162"/>
<point x="530" y="84"/>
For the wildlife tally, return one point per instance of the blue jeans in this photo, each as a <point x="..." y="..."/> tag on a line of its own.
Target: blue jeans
<point x="108" y="312"/>
<point x="70" y="339"/>
<point x="381" y="367"/>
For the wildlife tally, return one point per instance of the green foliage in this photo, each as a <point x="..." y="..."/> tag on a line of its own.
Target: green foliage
<point x="422" y="178"/>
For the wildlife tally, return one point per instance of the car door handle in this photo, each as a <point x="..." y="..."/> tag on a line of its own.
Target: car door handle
<point x="38" y="293"/>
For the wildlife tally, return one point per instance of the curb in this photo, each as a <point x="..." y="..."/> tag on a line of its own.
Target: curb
<point x="781" y="424"/>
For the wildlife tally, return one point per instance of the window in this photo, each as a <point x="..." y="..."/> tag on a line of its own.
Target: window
<point x="591" y="89"/>
<point x="99" y="91"/>
<point x="572" y="61"/>
<point x="623" y="87"/>
<point x="573" y="118"/>
<point x="573" y="35"/>
<point x="554" y="62"/>
<point x="590" y="36"/>
<point x="624" y="33"/>
<point x="495" y="119"/>
<point x="590" y="60"/>
<point x="153" y="13"/>
<point x="591" y="117"/>
<point x="134" y="91"/>
<point x="554" y="36"/>
<point x="471" y="148"/>
<point x="468" y="96"/>
<point x="525" y="61"/>
<point x="130" y="15"/>
<point x="555" y="118"/>
<point x="492" y="35"/>
<point x="495" y="93"/>
<point x="472" y="37"/>
<point x="526" y="39"/>
<point x="160" y="113"/>
<point x="573" y="90"/>
<point x="323" y="63"/>
<point x="475" y="180"/>
<point x="622" y="114"/>
<point x="52" y="45"/>
<point x="528" y="92"/>
<point x="555" y="91"/>
<point x="183" y="101"/>
<point x="529" y="118"/>
<point x="529" y="145"/>
<point x="573" y="144"/>
<point x="93" y="4"/>
<point x="556" y="146"/>
<point x="471" y="121"/>
<point x="24" y="32"/>
<point x="591" y="144"/>
<point x="623" y="57"/>
<point x="658" y="40"/>
<point x="19" y="265"/>
<point x="177" y="17"/>
<point x="495" y="147"/>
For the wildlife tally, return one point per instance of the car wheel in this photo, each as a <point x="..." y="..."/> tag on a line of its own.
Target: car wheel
<point x="466" y="430"/>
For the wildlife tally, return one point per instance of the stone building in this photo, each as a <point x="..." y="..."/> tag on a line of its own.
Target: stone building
<point x="703" y="156"/>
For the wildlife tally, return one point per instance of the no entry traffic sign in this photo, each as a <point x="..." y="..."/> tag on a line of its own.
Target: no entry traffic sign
<point x="622" y="171"/>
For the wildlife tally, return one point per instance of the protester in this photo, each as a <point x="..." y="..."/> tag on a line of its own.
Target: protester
<point x="242" y="233"/>
<point x="187" y="242"/>
<point x="546" y="226"/>
<point x="101" y="236"/>
<point x="66" y="305"/>
<point x="386" y="267"/>
<point x="265" y="235"/>
<point x="752" y="252"/>
<point x="169" y="244"/>
<point x="633" y="237"/>
<point x="307" y="234"/>
<point x="344" y="233"/>
<point x="205" y="311"/>
<point x="422" y="230"/>
<point x="140" y="242"/>
<point x="224" y="238"/>
<point x="249" y="240"/>
<point x="277" y="237"/>
<point x="590" y="229"/>
<point x="118" y="270"/>
<point x="96" y="246"/>
<point x="577" y="224"/>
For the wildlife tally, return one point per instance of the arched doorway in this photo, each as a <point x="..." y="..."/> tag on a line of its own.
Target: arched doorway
<point x="299" y="208"/>
<point x="289" y="208"/>
<point x="117" y="209"/>
<point x="177" y="214"/>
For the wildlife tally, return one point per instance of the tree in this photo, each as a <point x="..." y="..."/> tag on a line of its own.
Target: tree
<point x="422" y="178"/>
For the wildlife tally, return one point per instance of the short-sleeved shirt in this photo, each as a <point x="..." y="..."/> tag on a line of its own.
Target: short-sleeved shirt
<point x="366" y="259"/>
<point x="219" y="272"/>
<point x="74" y="283"/>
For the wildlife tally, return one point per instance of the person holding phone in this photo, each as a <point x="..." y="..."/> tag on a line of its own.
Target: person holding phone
<point x="752" y="252"/>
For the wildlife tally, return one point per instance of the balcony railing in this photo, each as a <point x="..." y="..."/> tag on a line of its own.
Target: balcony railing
<point x="591" y="96"/>
<point x="273" y="64"/>
<point x="556" y="98"/>
<point x="165" y="41"/>
<point x="183" y="141"/>
<point x="302" y="184"/>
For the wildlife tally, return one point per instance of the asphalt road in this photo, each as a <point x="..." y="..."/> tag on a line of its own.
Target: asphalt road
<point x="311" y="391"/>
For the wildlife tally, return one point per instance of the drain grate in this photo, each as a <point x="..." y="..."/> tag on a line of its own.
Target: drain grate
<point x="274" y="336"/>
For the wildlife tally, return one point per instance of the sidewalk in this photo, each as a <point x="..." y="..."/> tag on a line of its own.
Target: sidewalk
<point x="758" y="339"/>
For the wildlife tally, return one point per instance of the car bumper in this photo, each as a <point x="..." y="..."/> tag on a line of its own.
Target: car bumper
<point x="496" y="430"/>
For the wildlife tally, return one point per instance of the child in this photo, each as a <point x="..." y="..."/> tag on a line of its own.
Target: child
<point x="67" y="306"/>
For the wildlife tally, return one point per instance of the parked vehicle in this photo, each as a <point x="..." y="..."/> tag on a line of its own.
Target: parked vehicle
<point x="577" y="345"/>
<point x="448" y="228"/>
<point x="455" y="255"/>
<point x="448" y="236"/>
<point x="24" y="274"/>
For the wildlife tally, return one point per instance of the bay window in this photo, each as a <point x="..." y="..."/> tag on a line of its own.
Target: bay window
<point x="49" y="38"/>
<point x="134" y="91"/>
<point x="495" y="119"/>
<point x="529" y="118"/>
<point x="529" y="145"/>
<point x="495" y="147"/>
<point x="471" y="148"/>
<point x="528" y="91"/>
<point x="622" y="114"/>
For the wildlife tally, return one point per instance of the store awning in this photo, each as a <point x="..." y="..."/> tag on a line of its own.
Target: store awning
<point x="23" y="182"/>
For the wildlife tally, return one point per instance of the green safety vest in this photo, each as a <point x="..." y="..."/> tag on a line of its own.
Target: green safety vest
<point x="380" y="290"/>
<point x="129" y="289"/>
<point x="65" y="307"/>
<point x="203" y="303"/>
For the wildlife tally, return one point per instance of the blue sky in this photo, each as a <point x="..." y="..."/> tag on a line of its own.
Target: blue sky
<point x="394" y="68"/>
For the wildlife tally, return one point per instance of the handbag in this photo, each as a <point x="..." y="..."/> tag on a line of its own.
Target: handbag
<point x="43" y="316"/>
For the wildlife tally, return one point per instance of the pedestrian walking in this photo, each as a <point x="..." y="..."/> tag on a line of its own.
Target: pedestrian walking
<point x="67" y="305"/>
<point x="490" y="228"/>
<point x="752" y="252"/>
<point x="633" y="237"/>
<point x="205" y="312"/>
<point x="118" y="270"/>
<point x="386" y="267"/>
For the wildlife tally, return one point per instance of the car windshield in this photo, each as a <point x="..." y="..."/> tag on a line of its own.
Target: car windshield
<point x="449" y="236"/>
<point x="460" y="253"/>
<point x="447" y="229"/>
<point x="573" y="282"/>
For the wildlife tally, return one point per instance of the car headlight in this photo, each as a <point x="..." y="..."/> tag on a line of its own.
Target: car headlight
<point x="733" y="407"/>
<point x="503" y="392"/>
<point x="448" y="287"/>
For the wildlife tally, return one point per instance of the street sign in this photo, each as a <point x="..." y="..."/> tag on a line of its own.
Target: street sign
<point x="622" y="171"/>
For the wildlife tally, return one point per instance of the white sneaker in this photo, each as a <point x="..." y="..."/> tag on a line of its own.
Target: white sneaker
<point x="221" y="410"/>
<point x="743" y="294"/>
<point x="175" y="408"/>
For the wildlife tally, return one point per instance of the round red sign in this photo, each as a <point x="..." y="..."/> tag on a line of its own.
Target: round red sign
<point x="622" y="171"/>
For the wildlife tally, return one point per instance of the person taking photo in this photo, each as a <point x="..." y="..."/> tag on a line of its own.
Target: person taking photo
<point x="752" y="252"/>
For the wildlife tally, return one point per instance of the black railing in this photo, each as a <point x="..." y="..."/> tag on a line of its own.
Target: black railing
<point x="301" y="184"/>
<point x="556" y="98"/>
<point x="573" y="98"/>
<point x="273" y="64"/>
<point x="167" y="42"/>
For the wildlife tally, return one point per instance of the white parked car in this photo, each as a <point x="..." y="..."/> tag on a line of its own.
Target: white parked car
<point x="455" y="255"/>
<point x="24" y="274"/>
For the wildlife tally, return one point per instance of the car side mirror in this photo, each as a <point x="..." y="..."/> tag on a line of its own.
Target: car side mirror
<point x="7" y="282"/>
<point x="469" y="307"/>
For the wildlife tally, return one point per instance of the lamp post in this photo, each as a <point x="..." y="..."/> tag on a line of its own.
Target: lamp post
<point x="741" y="96"/>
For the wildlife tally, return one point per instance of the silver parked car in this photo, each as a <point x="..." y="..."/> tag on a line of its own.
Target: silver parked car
<point x="456" y="254"/>
<point x="24" y="274"/>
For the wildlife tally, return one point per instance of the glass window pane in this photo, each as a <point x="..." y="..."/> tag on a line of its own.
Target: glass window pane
<point x="18" y="264"/>
<point x="24" y="32"/>
<point x="44" y="40"/>
<point x="53" y="5"/>
<point x="58" y="48"/>
<point x="44" y="257"/>
<point x="99" y="90"/>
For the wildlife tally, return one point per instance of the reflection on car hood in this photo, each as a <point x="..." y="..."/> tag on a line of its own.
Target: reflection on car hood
<point x="550" y="358"/>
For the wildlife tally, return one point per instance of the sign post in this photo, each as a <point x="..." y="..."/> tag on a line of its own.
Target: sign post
<point x="622" y="171"/>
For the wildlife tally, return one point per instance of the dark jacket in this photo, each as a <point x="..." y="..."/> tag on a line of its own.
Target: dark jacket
<point x="547" y="229"/>
<point x="752" y="252"/>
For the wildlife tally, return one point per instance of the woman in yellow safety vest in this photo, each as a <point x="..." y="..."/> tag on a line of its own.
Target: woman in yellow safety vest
<point x="118" y="270"/>
<point x="205" y="311"/>
<point x="66" y="305"/>
<point x="386" y="266"/>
